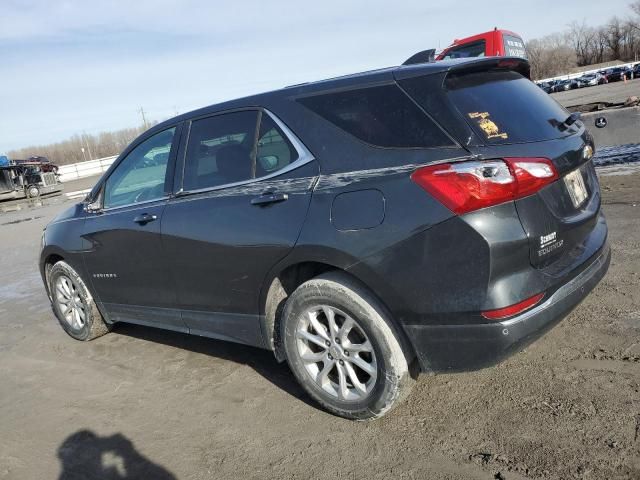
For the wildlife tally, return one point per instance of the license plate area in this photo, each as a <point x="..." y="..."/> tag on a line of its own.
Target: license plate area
<point x="574" y="182"/>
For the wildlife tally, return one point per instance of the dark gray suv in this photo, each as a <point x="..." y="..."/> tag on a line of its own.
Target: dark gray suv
<point x="434" y="217"/>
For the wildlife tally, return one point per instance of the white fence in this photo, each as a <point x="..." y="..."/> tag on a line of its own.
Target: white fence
<point x="85" y="169"/>
<point x="571" y="76"/>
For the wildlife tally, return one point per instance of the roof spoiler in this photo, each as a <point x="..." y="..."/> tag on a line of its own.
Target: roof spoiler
<point x="425" y="56"/>
<point x="517" y="64"/>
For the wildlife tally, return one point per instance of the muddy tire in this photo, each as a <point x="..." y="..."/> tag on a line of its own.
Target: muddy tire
<point x="343" y="348"/>
<point x="73" y="305"/>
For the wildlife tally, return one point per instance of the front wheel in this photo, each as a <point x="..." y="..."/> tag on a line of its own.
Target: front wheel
<point x="73" y="305"/>
<point x="343" y="349"/>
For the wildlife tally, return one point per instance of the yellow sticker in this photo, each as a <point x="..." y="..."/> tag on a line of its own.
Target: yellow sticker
<point x="488" y="126"/>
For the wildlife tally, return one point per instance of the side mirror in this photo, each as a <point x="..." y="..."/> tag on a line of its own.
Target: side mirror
<point x="93" y="207"/>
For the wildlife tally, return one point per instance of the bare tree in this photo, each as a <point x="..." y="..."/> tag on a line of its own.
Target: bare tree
<point x="583" y="40"/>
<point x="68" y="151"/>
<point x="551" y="55"/>
<point x="615" y="37"/>
<point x="618" y="39"/>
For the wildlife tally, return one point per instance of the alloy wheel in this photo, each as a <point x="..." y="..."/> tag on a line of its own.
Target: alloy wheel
<point x="336" y="353"/>
<point x="70" y="303"/>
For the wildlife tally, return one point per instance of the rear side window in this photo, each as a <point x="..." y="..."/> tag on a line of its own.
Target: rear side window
<point x="235" y="147"/>
<point x="504" y="107"/>
<point x="381" y="116"/>
<point x="274" y="150"/>
<point x="514" y="46"/>
<point x="219" y="150"/>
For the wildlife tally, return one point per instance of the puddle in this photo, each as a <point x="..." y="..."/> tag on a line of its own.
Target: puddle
<point x="30" y="204"/>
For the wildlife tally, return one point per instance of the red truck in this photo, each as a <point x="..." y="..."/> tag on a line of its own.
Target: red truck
<point x="494" y="43"/>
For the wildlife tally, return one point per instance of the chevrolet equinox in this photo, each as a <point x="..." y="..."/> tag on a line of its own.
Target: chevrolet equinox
<point x="425" y="218"/>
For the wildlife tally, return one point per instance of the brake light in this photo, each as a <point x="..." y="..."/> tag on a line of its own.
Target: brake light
<point x="467" y="186"/>
<point x="508" y="63"/>
<point x="532" y="174"/>
<point x="510" y="311"/>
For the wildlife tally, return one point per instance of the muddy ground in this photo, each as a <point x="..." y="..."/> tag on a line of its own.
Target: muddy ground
<point x="143" y="403"/>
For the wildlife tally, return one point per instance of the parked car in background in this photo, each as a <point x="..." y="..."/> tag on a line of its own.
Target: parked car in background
<point x="546" y="86"/>
<point x="636" y="70"/>
<point x="618" y="74"/>
<point x="591" y="80"/>
<point x="43" y="162"/>
<point x="435" y="217"/>
<point x="562" y="85"/>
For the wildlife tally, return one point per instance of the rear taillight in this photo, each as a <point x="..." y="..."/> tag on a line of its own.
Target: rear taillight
<point x="467" y="186"/>
<point x="510" y="311"/>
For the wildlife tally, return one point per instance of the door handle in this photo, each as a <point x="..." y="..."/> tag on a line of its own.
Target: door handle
<point x="145" y="218"/>
<point x="269" y="197"/>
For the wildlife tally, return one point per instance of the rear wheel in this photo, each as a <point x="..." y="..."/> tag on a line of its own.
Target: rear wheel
<point x="73" y="305"/>
<point x="343" y="349"/>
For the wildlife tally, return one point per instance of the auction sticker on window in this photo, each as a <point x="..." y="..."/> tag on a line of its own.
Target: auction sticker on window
<point x="488" y="126"/>
<point x="576" y="188"/>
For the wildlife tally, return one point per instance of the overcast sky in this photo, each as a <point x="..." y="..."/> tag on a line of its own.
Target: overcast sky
<point x="88" y="66"/>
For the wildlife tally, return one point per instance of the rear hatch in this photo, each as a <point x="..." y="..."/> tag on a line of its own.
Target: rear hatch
<point x="505" y="115"/>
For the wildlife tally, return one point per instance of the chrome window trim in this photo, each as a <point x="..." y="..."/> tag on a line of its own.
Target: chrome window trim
<point x="132" y="205"/>
<point x="304" y="157"/>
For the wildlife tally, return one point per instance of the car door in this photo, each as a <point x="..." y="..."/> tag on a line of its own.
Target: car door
<point x="244" y="194"/>
<point x="125" y="259"/>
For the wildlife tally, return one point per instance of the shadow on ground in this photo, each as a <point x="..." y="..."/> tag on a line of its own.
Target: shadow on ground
<point x="262" y="361"/>
<point x="87" y="456"/>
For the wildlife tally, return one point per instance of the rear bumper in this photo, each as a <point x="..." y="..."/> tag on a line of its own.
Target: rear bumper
<point x="453" y="348"/>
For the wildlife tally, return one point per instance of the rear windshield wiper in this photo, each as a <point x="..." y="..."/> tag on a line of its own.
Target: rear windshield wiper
<point x="570" y="120"/>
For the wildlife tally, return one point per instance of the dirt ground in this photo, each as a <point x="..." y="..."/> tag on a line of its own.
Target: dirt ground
<point x="143" y="403"/>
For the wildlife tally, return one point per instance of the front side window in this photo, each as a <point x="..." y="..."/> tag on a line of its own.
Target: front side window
<point x="140" y="177"/>
<point x="231" y="148"/>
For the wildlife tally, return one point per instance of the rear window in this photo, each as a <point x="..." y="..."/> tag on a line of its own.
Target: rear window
<point x="467" y="50"/>
<point x="514" y="46"/>
<point x="381" y="116"/>
<point x="504" y="107"/>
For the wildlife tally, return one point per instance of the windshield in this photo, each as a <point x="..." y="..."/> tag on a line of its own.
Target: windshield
<point x="503" y="107"/>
